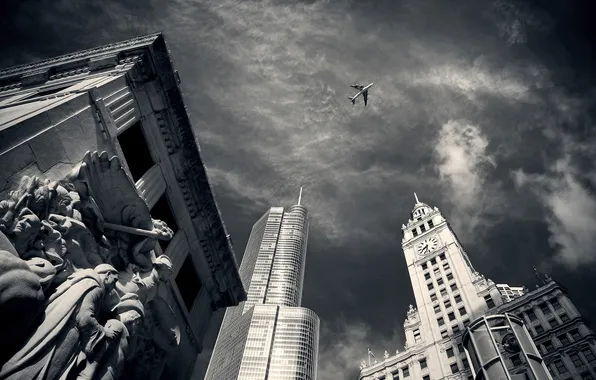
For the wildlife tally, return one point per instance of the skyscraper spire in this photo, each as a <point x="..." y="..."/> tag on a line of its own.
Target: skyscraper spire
<point x="416" y="197"/>
<point x="300" y="196"/>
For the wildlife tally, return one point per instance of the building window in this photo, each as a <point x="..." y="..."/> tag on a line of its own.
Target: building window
<point x="406" y="371"/>
<point x="462" y="311"/>
<point x="136" y="151"/>
<point x="440" y="321"/>
<point x="447" y="304"/>
<point x="444" y="334"/>
<point x="564" y="317"/>
<point x="417" y="337"/>
<point x="589" y="355"/>
<point x="188" y="282"/>
<point x="442" y="257"/>
<point x="395" y="375"/>
<point x="445" y="266"/>
<point x="439" y="281"/>
<point x="437" y="273"/>
<point x="433" y="297"/>
<point x="430" y="286"/>
<point x="455" y="329"/>
<point x="548" y="346"/>
<point x="427" y="276"/>
<point x="561" y="369"/>
<point x="453" y="287"/>
<point x="464" y="361"/>
<point x="443" y="292"/>
<point x="451" y="316"/>
<point x="575" y="335"/>
<point x="449" y="276"/>
<point x="454" y="368"/>
<point x="424" y="266"/>
<point x="162" y="211"/>
<point x="515" y="360"/>
<point x="426" y="377"/>
<point x="437" y="309"/>
<point x="430" y="224"/>
<point x="553" y="322"/>
<point x="415" y="232"/>
<point x="586" y="376"/>
<point x="489" y="301"/>
<point x="423" y="364"/>
<point x="544" y="308"/>
<point x="422" y="228"/>
<point x="577" y="361"/>
<point x="457" y="298"/>
<point x="531" y="315"/>
<point x="460" y="348"/>
<point x="433" y="261"/>
<point x="466" y="322"/>
<point x="539" y="329"/>
<point x="556" y="304"/>
<point x="449" y="352"/>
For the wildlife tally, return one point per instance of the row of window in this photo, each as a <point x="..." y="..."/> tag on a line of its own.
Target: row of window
<point x="433" y="262"/>
<point x="423" y="228"/>
<point x="576" y="360"/>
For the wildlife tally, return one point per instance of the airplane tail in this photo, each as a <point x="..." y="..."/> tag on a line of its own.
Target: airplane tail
<point x="352" y="99"/>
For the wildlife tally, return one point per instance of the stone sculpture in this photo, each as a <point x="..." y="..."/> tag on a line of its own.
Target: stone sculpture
<point x="80" y="277"/>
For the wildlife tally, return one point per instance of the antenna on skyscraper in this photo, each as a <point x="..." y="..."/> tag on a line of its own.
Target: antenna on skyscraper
<point x="300" y="196"/>
<point x="416" y="197"/>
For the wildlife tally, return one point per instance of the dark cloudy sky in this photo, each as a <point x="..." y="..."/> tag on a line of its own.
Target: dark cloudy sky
<point x="484" y="108"/>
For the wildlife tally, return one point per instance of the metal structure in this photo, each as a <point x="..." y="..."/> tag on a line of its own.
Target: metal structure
<point x="500" y="347"/>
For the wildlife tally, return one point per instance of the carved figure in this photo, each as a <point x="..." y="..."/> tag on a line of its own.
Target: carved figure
<point x="386" y="354"/>
<point x="146" y="284"/>
<point x="108" y="360"/>
<point x="21" y="299"/>
<point x="69" y="327"/>
<point x="119" y="211"/>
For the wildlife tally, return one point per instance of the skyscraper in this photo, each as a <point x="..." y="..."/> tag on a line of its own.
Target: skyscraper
<point x="269" y="336"/>
<point x="450" y="293"/>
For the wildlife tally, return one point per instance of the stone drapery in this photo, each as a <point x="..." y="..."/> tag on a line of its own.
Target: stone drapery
<point x="79" y="278"/>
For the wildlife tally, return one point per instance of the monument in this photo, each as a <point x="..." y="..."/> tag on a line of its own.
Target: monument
<point x="113" y="254"/>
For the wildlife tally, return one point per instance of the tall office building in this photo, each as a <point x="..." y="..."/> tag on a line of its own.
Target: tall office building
<point x="450" y="293"/>
<point x="269" y="336"/>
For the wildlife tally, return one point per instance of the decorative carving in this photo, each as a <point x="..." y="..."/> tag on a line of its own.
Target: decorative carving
<point x="386" y="355"/>
<point x="63" y="247"/>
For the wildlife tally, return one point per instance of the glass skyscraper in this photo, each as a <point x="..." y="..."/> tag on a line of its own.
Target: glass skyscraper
<point x="269" y="336"/>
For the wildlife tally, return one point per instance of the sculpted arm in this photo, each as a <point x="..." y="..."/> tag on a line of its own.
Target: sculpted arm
<point x="87" y="318"/>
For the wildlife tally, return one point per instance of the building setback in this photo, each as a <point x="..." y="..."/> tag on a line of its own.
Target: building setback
<point x="269" y="336"/>
<point x="125" y="99"/>
<point x="450" y="293"/>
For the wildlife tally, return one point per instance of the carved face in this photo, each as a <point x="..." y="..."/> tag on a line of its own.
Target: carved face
<point x="109" y="280"/>
<point x="164" y="273"/>
<point x="131" y="319"/>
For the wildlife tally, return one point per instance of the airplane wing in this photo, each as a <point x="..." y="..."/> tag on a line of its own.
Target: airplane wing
<point x="365" y="96"/>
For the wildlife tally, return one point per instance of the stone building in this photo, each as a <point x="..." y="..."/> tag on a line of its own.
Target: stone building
<point x="99" y="164"/>
<point x="450" y="293"/>
<point x="564" y="338"/>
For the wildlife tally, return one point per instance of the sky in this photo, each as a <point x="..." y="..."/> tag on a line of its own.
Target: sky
<point x="485" y="109"/>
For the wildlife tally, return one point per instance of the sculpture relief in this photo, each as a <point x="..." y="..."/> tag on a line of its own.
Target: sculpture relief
<point x="80" y="277"/>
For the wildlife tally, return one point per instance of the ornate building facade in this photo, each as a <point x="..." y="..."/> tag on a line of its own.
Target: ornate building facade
<point x="102" y="183"/>
<point x="450" y="293"/>
<point x="269" y="336"/>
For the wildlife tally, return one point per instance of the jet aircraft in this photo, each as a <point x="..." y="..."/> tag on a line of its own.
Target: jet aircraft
<point x="361" y="90"/>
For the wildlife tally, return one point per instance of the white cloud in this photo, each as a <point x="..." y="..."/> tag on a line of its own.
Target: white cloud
<point x="571" y="211"/>
<point x="463" y="165"/>
<point x="343" y="346"/>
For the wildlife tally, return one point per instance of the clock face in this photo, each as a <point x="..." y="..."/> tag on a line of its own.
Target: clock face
<point x="427" y="246"/>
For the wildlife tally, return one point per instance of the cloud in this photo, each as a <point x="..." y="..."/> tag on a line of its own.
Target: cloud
<point x="343" y="346"/>
<point x="570" y="207"/>
<point x="464" y="166"/>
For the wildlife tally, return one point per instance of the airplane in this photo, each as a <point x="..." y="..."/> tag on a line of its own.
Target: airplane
<point x="362" y="90"/>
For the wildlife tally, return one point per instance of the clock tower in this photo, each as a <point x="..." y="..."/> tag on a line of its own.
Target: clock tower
<point x="449" y="293"/>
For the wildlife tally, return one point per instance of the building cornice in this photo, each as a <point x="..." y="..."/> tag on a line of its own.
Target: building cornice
<point x="191" y="174"/>
<point x="16" y="72"/>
